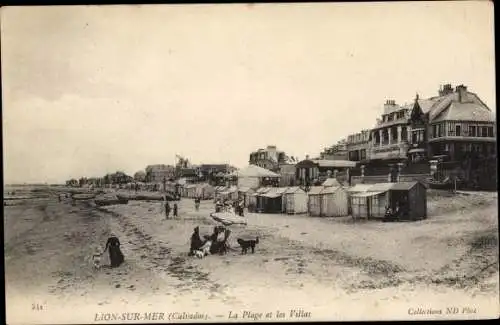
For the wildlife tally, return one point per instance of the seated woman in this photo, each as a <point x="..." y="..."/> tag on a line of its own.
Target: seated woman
<point x="196" y="241"/>
<point x="116" y="257"/>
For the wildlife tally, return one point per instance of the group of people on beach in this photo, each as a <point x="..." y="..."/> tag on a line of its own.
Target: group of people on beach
<point x="236" y="207"/>
<point x="216" y="243"/>
<point x="168" y="209"/>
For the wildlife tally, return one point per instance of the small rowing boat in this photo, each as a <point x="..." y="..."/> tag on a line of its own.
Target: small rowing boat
<point x="228" y="218"/>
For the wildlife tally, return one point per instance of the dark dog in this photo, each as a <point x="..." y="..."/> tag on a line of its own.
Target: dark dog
<point x="246" y="244"/>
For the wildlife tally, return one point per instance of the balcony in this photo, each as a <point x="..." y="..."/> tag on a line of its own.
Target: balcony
<point x="463" y="135"/>
<point x="382" y="124"/>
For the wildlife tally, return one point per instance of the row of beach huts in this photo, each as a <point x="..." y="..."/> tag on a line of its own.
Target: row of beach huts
<point x="331" y="199"/>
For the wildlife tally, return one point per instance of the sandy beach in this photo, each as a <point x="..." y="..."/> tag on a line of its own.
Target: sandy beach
<point x="306" y="268"/>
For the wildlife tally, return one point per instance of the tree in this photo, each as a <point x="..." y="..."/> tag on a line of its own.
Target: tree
<point x="140" y="176"/>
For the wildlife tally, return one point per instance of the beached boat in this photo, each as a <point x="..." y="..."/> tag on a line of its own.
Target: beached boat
<point x="228" y="218"/>
<point x="88" y="196"/>
<point x="146" y="196"/>
<point x="104" y="200"/>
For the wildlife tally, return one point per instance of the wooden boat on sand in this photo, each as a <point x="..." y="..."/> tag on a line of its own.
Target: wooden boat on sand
<point x="228" y="218"/>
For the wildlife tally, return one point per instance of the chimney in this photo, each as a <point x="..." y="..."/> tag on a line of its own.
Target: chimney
<point x="462" y="93"/>
<point x="307" y="157"/>
<point x="389" y="106"/>
<point x="445" y="90"/>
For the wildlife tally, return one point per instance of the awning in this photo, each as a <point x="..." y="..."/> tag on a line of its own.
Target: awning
<point x="271" y="195"/>
<point x="416" y="150"/>
<point x="359" y="188"/>
<point x="381" y="187"/>
<point x="366" y="194"/>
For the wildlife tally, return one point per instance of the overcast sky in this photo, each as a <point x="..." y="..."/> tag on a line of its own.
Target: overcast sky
<point x="91" y="90"/>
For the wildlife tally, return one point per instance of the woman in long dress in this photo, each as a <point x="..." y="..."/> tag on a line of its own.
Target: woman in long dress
<point x="116" y="257"/>
<point x="196" y="241"/>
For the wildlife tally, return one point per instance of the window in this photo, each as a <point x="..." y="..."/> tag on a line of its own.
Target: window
<point x="458" y="130"/>
<point x="385" y="136"/>
<point x="363" y="154"/>
<point x="404" y="133"/>
<point x="434" y="131"/>
<point x="394" y="133"/>
<point x="490" y="131"/>
<point x="472" y="131"/>
<point x="484" y="131"/>
<point x="439" y="130"/>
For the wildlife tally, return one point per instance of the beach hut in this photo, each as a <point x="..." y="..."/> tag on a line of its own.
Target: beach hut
<point x="259" y="199"/>
<point x="371" y="203"/>
<point x="271" y="201"/>
<point x="233" y="193"/>
<point x="230" y="193"/>
<point x="296" y="200"/>
<point x="380" y="200"/>
<point x="281" y="191"/>
<point x="244" y="194"/>
<point x="205" y="191"/>
<point x="191" y="191"/>
<point x="218" y="191"/>
<point x="411" y="198"/>
<point x="252" y="202"/>
<point x="334" y="201"/>
<point x="314" y="206"/>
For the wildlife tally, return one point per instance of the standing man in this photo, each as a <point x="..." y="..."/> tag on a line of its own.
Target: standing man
<point x="167" y="209"/>
<point x="175" y="210"/>
<point x="242" y="208"/>
<point x="197" y="203"/>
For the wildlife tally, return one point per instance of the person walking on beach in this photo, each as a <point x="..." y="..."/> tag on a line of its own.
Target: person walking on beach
<point x="167" y="209"/>
<point x="175" y="209"/>
<point x="242" y="208"/>
<point x="116" y="257"/>
<point x="197" y="204"/>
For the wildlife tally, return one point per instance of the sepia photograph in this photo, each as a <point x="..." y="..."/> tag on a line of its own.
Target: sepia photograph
<point x="270" y="162"/>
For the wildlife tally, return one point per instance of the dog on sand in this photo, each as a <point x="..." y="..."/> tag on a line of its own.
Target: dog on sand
<point x="246" y="244"/>
<point x="198" y="254"/>
<point x="95" y="258"/>
<point x="96" y="261"/>
<point x="203" y="250"/>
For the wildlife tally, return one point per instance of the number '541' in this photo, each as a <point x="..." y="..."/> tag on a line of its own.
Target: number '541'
<point x="37" y="307"/>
